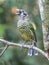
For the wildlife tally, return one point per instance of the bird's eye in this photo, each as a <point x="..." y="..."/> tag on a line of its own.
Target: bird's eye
<point x="25" y="14"/>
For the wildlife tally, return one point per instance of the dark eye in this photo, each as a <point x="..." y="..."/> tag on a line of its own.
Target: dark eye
<point x="25" y="14"/>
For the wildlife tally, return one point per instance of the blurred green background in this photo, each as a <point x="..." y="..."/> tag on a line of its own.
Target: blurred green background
<point x="8" y="31"/>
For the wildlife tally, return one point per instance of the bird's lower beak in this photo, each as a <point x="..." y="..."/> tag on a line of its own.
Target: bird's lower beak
<point x="15" y="11"/>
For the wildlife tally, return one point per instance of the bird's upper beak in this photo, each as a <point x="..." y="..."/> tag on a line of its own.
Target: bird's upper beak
<point x="15" y="11"/>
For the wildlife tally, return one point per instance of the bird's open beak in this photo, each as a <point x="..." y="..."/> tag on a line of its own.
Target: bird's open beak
<point x="17" y="11"/>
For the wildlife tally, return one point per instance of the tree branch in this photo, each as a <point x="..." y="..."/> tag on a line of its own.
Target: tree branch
<point x="3" y="50"/>
<point x="44" y="10"/>
<point x="21" y="45"/>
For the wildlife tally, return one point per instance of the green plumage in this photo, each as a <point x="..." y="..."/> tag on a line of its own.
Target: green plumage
<point x="27" y="31"/>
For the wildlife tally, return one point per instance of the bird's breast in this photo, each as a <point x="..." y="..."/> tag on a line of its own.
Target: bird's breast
<point x="26" y="33"/>
<point x="20" y="23"/>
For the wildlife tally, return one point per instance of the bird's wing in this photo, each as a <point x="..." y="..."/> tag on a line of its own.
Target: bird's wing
<point x="33" y="29"/>
<point x="32" y="25"/>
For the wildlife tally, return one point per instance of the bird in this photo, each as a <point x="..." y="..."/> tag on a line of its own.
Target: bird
<point x="27" y="30"/>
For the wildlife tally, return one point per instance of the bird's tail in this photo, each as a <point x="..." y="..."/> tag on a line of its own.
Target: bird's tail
<point x="33" y="51"/>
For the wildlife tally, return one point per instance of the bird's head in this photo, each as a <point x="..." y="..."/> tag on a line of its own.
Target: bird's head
<point x="20" y="12"/>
